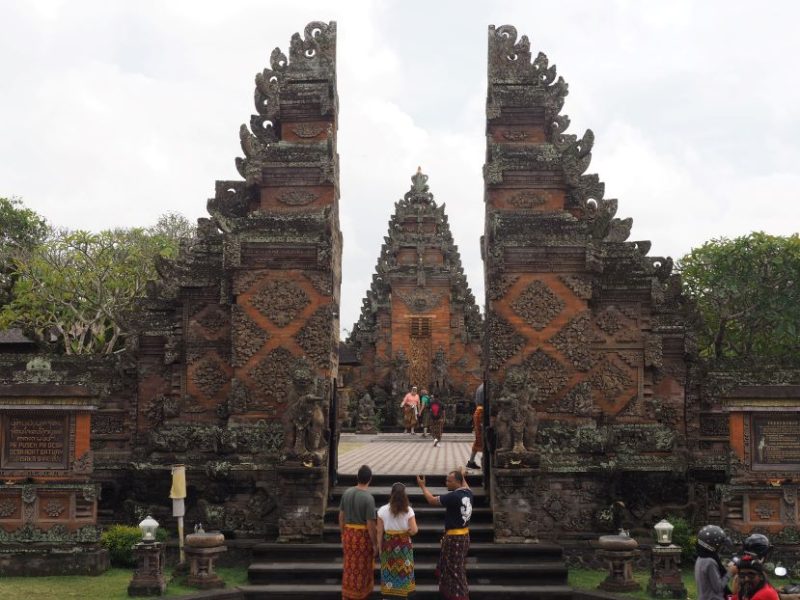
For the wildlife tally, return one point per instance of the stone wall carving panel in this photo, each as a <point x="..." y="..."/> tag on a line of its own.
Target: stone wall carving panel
<point x="546" y="373"/>
<point x="248" y="337"/>
<point x="538" y="305"/>
<point x="281" y="301"/>
<point x="610" y="380"/>
<point x="316" y="337"/>
<point x="573" y="341"/>
<point x="504" y="341"/>
<point x="273" y="376"/>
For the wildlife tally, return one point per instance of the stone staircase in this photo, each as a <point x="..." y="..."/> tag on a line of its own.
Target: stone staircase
<point x="495" y="571"/>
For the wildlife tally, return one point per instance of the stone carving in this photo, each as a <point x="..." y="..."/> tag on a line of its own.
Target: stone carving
<point x="297" y="198"/>
<point x="304" y="421"/>
<point x="212" y="319"/>
<point x="515" y="136"/>
<point x="57" y="534"/>
<point x="580" y="286"/>
<point x="714" y="425"/>
<point x="610" y="380"/>
<point x="499" y="284"/>
<point x="516" y="423"/>
<point x="316" y="337"/>
<point x="610" y="320"/>
<point x="765" y="511"/>
<point x="538" y="305"/>
<point x="527" y="200"/>
<point x="307" y="130"/>
<point x="504" y="341"/>
<point x="273" y="375"/>
<point x="578" y="401"/>
<point x="7" y="508"/>
<point x="366" y="414"/>
<point x="107" y="424"/>
<point x="322" y="282"/>
<point x="238" y="397"/>
<point x="280" y="301"/>
<point x="400" y="374"/>
<point x="439" y="368"/>
<point x="210" y="377"/>
<point x="84" y="463"/>
<point x="545" y="374"/>
<point x="420" y="300"/>
<point x="653" y="351"/>
<point x="247" y="337"/>
<point x="54" y="508"/>
<point x="573" y="341"/>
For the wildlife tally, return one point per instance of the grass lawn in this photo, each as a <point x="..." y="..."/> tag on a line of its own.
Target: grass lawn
<point x="111" y="585"/>
<point x="589" y="579"/>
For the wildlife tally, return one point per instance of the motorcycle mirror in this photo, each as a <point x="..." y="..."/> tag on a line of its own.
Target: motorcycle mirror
<point x="780" y="571"/>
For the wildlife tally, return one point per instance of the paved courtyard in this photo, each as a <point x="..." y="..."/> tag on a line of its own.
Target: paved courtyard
<point x="404" y="454"/>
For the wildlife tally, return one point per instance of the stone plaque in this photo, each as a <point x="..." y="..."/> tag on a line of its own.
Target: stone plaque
<point x="775" y="439"/>
<point x="35" y="441"/>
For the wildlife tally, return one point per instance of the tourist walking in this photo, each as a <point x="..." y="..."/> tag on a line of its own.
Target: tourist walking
<point x="410" y="406"/>
<point x="451" y="570"/>
<point x="396" y="524"/>
<point x="359" y="538"/>
<point x="437" y="419"/>
<point x="709" y="574"/>
<point x="477" y="428"/>
<point x="424" y="412"/>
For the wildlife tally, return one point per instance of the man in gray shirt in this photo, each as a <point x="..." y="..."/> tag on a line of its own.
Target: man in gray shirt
<point x="357" y="516"/>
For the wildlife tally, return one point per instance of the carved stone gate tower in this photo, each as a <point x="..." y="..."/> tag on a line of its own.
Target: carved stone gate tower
<point x="584" y="345"/>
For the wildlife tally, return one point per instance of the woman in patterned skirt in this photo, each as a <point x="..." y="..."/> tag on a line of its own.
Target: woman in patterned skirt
<point x="396" y="524"/>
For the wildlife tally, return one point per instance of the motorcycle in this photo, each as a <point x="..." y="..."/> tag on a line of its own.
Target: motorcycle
<point x="790" y="591"/>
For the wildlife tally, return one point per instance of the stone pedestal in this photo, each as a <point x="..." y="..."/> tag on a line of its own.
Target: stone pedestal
<point x="619" y="551"/>
<point x="665" y="575"/>
<point x="513" y="500"/>
<point x="148" y="578"/>
<point x="304" y="493"/>
<point x="201" y="567"/>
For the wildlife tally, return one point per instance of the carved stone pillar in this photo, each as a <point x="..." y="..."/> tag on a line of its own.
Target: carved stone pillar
<point x="148" y="578"/>
<point x="304" y="491"/>
<point x="513" y="499"/>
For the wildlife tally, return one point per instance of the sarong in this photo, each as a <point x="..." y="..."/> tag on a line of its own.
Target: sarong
<point x="477" y="425"/>
<point x="397" y="564"/>
<point x="409" y="417"/>
<point x="358" y="575"/>
<point x="452" y="567"/>
<point x="437" y="426"/>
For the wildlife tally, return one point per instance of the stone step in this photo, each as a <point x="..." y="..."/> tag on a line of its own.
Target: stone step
<point x="478" y="552"/>
<point x="428" y="532"/>
<point x="477" y="572"/>
<point x="321" y="591"/>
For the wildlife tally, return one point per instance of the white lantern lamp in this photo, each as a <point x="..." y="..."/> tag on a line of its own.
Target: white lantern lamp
<point x="148" y="527"/>
<point x="664" y="532"/>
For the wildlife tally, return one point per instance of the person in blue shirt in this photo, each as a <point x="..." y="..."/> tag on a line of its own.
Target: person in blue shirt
<point x="451" y="570"/>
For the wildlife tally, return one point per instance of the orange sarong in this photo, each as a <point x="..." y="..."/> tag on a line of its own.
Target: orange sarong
<point x="358" y="571"/>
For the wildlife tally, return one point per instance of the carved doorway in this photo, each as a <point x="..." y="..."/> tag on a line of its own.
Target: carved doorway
<point x="419" y="352"/>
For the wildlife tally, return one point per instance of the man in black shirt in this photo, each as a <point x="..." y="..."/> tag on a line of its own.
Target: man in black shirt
<point x="452" y="567"/>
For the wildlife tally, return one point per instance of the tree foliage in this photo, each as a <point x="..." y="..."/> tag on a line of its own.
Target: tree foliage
<point x="80" y="286"/>
<point x="21" y="229"/>
<point x="747" y="292"/>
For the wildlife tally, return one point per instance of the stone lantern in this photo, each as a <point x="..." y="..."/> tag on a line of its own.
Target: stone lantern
<point x="148" y="578"/>
<point x="665" y="576"/>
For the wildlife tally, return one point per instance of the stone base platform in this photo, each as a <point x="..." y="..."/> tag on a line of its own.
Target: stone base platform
<point x="34" y="562"/>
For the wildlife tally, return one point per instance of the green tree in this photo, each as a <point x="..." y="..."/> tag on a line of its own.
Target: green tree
<point x="81" y="285"/>
<point x="21" y="229"/>
<point x="747" y="292"/>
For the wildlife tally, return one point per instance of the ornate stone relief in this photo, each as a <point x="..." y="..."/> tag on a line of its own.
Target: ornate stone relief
<point x="538" y="305"/>
<point x="273" y="375"/>
<point x="527" y="200"/>
<point x="107" y="424"/>
<point x="573" y="341"/>
<point x="212" y="319"/>
<point x="280" y="301"/>
<point x="54" y="508"/>
<point x="7" y="508"/>
<point x="209" y="376"/>
<point x="610" y="380"/>
<point x="499" y="284"/>
<point x="297" y="198"/>
<point x="578" y="401"/>
<point x="420" y="300"/>
<point x="504" y="341"/>
<point x="322" y="282"/>
<point x="580" y="286"/>
<point x="248" y="337"/>
<point x="316" y="337"/>
<point x="307" y="130"/>
<point x="84" y="463"/>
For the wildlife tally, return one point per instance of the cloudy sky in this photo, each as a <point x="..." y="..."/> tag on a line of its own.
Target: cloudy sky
<point x="114" y="112"/>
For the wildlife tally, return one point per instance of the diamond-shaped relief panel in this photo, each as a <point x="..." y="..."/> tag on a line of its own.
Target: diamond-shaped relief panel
<point x="213" y="321"/>
<point x="280" y="301"/>
<point x="504" y="341"/>
<point x="546" y="373"/>
<point x="209" y="376"/>
<point x="316" y="337"/>
<point x="273" y="376"/>
<point x="247" y="336"/>
<point x="538" y="305"/>
<point x="573" y="341"/>
<point x="612" y="383"/>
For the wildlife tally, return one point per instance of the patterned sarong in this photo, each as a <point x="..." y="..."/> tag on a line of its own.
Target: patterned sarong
<point x="397" y="564"/>
<point x="452" y="568"/>
<point x="409" y="417"/>
<point x="358" y="575"/>
<point x="477" y="425"/>
<point x="437" y="427"/>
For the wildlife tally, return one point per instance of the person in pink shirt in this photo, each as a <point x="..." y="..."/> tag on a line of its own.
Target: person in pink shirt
<point x="410" y="406"/>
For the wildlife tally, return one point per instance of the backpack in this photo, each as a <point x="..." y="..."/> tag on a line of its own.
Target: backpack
<point x="436" y="410"/>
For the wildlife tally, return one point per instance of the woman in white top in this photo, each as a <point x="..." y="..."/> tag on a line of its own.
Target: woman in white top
<point x="396" y="525"/>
